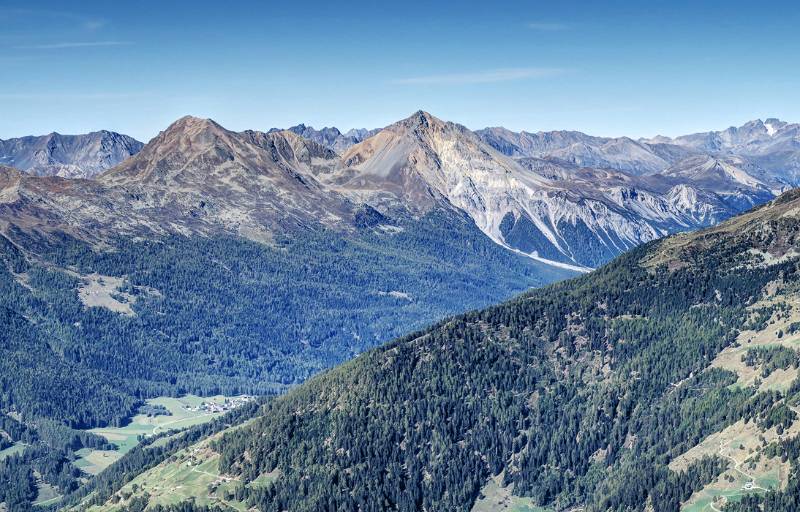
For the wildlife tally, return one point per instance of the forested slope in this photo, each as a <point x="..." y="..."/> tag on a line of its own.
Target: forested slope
<point x="89" y="334"/>
<point x="582" y="394"/>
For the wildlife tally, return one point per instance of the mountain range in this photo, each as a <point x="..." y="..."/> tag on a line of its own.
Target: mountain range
<point x="219" y="262"/>
<point x="560" y="197"/>
<point x="331" y="137"/>
<point x="769" y="148"/>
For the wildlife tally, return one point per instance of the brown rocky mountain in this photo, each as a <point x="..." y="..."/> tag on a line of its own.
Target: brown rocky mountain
<point x="198" y="177"/>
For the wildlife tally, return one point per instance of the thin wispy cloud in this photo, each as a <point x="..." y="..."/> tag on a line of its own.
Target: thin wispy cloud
<point x="82" y="21"/>
<point x="482" y="77"/>
<point x="547" y="26"/>
<point x="92" y="96"/>
<point x="94" y="24"/>
<point x="73" y="44"/>
<point x="66" y="21"/>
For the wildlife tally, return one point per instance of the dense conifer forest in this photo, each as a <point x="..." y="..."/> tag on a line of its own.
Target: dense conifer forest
<point x="215" y="316"/>
<point x="579" y="394"/>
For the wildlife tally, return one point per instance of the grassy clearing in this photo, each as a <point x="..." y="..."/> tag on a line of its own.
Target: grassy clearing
<point x="12" y="450"/>
<point x="704" y="503"/>
<point x="748" y="470"/>
<point x="742" y="444"/>
<point x="103" y="292"/>
<point x="740" y="441"/>
<point x="94" y="461"/>
<point x="190" y="474"/>
<point x="731" y="357"/>
<point x="183" y="414"/>
<point x="264" y="480"/>
<point x="496" y="498"/>
<point x="47" y="493"/>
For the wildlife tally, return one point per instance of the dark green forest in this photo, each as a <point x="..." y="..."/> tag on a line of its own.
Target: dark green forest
<point x="579" y="394"/>
<point x="221" y="315"/>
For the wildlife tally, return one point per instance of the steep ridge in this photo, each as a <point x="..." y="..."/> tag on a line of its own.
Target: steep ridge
<point x="331" y="137"/>
<point x="542" y="208"/>
<point x="610" y="392"/>
<point x="69" y="156"/>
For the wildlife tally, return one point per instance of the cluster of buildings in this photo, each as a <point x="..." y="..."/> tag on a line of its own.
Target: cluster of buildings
<point x="224" y="406"/>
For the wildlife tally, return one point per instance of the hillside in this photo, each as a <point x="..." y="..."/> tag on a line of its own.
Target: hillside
<point x="665" y="380"/>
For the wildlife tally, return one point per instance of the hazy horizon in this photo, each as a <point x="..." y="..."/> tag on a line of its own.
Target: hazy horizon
<point x="346" y="129"/>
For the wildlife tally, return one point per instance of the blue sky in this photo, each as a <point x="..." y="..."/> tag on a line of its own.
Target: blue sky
<point x="607" y="68"/>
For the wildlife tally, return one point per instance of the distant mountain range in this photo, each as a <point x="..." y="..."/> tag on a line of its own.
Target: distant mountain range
<point x="331" y="138"/>
<point x="562" y="197"/>
<point x="769" y="148"/>
<point x="70" y="156"/>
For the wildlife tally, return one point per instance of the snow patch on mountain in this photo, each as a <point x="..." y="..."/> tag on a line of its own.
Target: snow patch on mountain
<point x="771" y="130"/>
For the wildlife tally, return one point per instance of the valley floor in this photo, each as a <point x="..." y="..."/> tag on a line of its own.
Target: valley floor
<point x="184" y="412"/>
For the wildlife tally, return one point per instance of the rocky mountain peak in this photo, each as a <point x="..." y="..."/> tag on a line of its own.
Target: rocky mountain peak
<point x="421" y="120"/>
<point x="190" y="126"/>
<point x="189" y="146"/>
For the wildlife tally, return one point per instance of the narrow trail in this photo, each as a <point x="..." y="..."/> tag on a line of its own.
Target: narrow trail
<point x="736" y="467"/>
<point x="226" y="477"/>
<point x="156" y="427"/>
<point x="195" y="470"/>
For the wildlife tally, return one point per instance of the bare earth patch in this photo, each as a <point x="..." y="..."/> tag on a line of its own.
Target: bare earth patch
<point x="99" y="291"/>
<point x="103" y="292"/>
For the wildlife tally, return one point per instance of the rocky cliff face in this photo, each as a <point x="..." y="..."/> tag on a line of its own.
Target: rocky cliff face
<point x="542" y="207"/>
